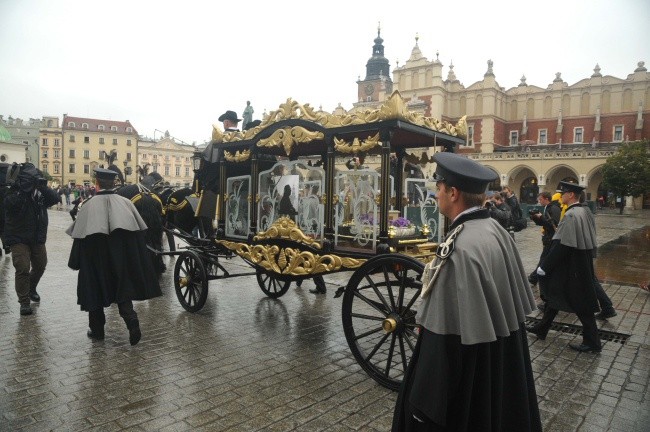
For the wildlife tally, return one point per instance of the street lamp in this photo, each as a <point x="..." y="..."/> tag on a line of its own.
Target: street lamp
<point x="197" y="158"/>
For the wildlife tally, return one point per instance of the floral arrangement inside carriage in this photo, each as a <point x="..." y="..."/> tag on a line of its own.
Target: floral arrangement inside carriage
<point x="305" y="184"/>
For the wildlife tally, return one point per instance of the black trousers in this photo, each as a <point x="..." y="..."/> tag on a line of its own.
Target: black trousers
<point x="97" y="319"/>
<point x="589" y="328"/>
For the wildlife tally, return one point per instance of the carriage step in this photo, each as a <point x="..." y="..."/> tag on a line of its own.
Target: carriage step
<point x="425" y="247"/>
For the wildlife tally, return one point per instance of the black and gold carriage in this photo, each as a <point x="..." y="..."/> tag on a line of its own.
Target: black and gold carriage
<point x="307" y="193"/>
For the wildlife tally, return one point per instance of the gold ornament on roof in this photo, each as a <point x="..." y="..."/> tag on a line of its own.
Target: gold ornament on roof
<point x="290" y="136"/>
<point x="394" y="108"/>
<point x="356" y="146"/>
<point x="238" y="156"/>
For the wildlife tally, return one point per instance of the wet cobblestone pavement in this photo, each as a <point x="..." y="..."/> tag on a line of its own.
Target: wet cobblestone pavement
<point x="246" y="362"/>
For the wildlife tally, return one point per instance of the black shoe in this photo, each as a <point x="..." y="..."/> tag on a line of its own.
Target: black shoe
<point x="134" y="331"/>
<point x="95" y="335"/>
<point x="532" y="279"/>
<point x="583" y="348"/>
<point x="541" y="306"/>
<point x="25" y="309"/>
<point x="603" y="315"/>
<point x="33" y="296"/>
<point x="318" y="290"/>
<point x="536" y="332"/>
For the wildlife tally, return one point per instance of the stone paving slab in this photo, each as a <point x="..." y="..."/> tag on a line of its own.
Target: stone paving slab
<point x="246" y="362"/>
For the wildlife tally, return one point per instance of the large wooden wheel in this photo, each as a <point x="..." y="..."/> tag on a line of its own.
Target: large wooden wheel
<point x="379" y="316"/>
<point x="272" y="286"/>
<point x="191" y="281"/>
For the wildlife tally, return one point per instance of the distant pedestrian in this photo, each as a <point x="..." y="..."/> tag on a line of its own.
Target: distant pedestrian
<point x="567" y="272"/>
<point x="110" y="252"/>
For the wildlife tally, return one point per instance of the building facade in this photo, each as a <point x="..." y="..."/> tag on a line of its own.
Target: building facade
<point x="169" y="158"/>
<point x="25" y="133"/>
<point x="85" y="142"/>
<point x="10" y="151"/>
<point x="533" y="137"/>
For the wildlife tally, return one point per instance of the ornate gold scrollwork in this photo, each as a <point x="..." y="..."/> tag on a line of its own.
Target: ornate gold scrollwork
<point x="239" y="156"/>
<point x="356" y="146"/>
<point x="289" y="261"/>
<point x="290" y="136"/>
<point x="286" y="228"/>
<point x="393" y="108"/>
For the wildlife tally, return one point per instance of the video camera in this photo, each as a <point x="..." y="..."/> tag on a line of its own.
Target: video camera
<point x="25" y="177"/>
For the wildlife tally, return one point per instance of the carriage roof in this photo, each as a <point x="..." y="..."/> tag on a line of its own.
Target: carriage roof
<point x="296" y="129"/>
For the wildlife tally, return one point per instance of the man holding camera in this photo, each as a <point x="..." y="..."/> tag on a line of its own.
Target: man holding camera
<point x="548" y="219"/>
<point x="26" y="223"/>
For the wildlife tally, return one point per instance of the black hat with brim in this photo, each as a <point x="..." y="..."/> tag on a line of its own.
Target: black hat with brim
<point x="229" y="115"/>
<point x="462" y="173"/>
<point x="105" y="174"/>
<point x="570" y="187"/>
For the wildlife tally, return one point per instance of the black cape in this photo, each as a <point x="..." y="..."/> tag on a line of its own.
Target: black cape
<point x="477" y="386"/>
<point x="113" y="266"/>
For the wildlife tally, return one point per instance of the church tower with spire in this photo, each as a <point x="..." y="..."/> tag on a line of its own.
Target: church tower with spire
<point x="377" y="83"/>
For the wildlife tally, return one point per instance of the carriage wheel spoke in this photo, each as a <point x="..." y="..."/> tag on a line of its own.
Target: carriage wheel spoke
<point x="403" y="353"/>
<point x="389" y="360"/>
<point x="389" y="288"/>
<point x="368" y="333"/>
<point x="371" y="303"/>
<point x="376" y="290"/>
<point x="376" y="348"/>
<point x="368" y="317"/>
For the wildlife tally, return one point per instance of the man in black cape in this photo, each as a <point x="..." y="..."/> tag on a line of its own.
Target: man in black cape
<point x="470" y="369"/>
<point x="110" y="252"/>
<point x="567" y="271"/>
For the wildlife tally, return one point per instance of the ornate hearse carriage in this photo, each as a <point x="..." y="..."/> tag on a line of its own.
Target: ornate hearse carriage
<point x="308" y="193"/>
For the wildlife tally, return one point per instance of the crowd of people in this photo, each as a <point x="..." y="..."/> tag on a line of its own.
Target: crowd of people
<point x="70" y="194"/>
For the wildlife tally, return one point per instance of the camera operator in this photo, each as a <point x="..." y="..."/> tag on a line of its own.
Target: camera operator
<point x="26" y="222"/>
<point x="499" y="210"/>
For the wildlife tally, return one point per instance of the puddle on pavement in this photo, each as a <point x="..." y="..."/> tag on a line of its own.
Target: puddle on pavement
<point x="627" y="259"/>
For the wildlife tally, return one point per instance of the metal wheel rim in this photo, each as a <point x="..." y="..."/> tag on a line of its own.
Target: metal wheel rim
<point x="190" y="271"/>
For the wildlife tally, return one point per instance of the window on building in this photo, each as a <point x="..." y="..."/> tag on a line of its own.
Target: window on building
<point x="86" y="140"/>
<point x="71" y="153"/>
<point x="618" y="133"/>
<point x="187" y="159"/>
<point x="542" y="136"/>
<point x="100" y="127"/>
<point x="187" y="171"/>
<point x="114" y="141"/>
<point x="166" y="158"/>
<point x="155" y="167"/>
<point x="166" y="170"/>
<point x="44" y="166"/>
<point x="470" y="136"/>
<point x="86" y="169"/>
<point x="129" y="130"/>
<point x="514" y="138"/>
<point x="578" y="135"/>
<point x="71" y="138"/>
<point x="178" y="170"/>
<point x="71" y="168"/>
<point x="86" y="154"/>
<point x="56" y="142"/>
<point x="101" y="140"/>
<point x="57" y="154"/>
<point x="44" y="153"/>
<point x="84" y="125"/>
<point x="128" y="142"/>
<point x="71" y="124"/>
<point x="114" y="128"/>
<point x="57" y="169"/>
<point x="101" y="154"/>
<point x="155" y="157"/>
<point x="128" y="156"/>
<point x="44" y="142"/>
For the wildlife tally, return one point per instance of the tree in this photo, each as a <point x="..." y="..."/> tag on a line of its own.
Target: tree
<point x="628" y="171"/>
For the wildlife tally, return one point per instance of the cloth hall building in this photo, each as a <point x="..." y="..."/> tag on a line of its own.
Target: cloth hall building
<point x="533" y="137"/>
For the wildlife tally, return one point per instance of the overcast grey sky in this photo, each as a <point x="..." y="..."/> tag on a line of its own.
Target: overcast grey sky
<point x="176" y="66"/>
